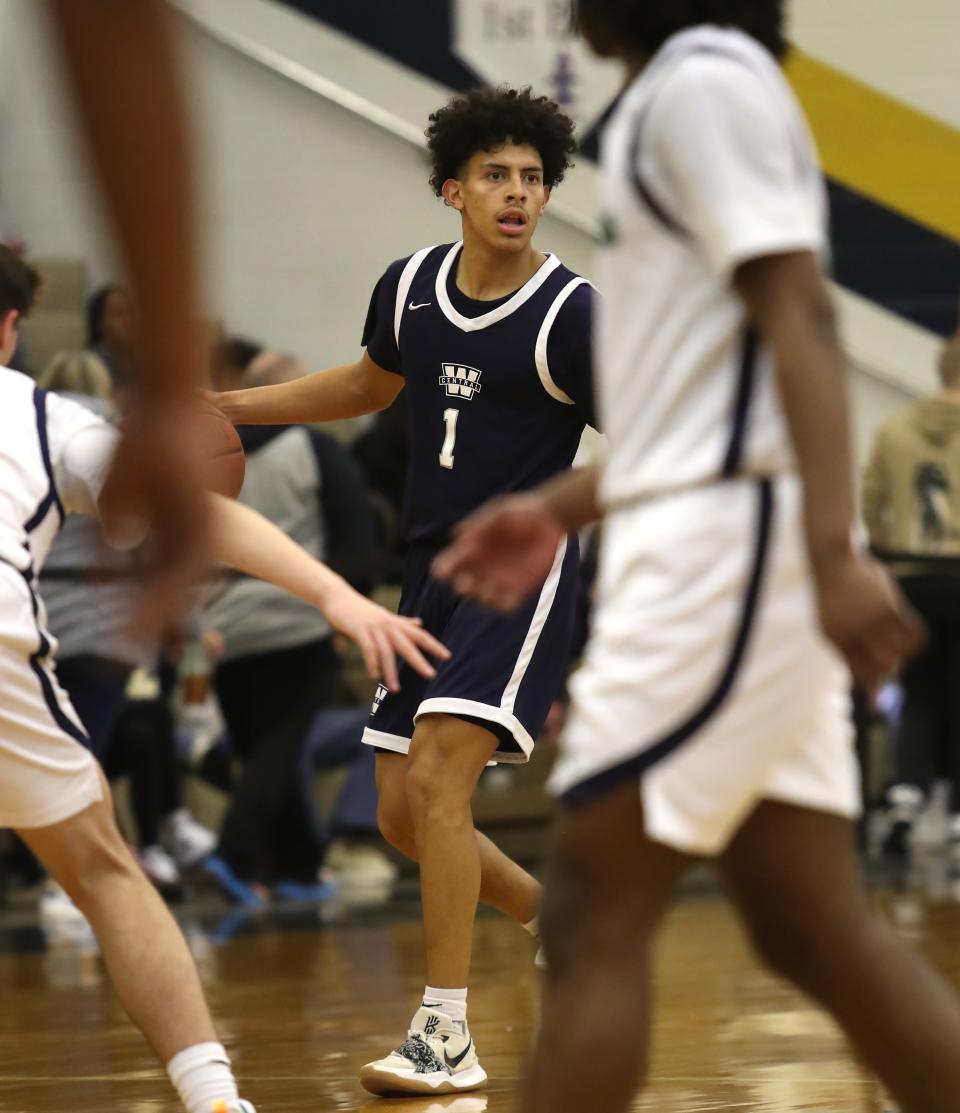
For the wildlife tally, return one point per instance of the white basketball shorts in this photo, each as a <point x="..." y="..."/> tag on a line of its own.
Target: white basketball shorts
<point x="46" y="773"/>
<point x="706" y="678"/>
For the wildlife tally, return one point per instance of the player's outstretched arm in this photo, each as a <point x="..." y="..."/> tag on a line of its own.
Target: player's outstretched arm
<point x="861" y="609"/>
<point x="347" y="391"/>
<point x="246" y="541"/>
<point x="505" y="550"/>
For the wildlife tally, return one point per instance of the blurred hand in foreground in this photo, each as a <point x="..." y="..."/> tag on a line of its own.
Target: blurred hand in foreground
<point x="503" y="552"/>
<point x="156" y="483"/>
<point x="865" y="615"/>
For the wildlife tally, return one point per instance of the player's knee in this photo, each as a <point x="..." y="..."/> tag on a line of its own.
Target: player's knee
<point x="96" y="857"/>
<point x="565" y="917"/>
<point x="396" y="826"/>
<point x="441" y="777"/>
<point x="582" y="921"/>
<point x="433" y="795"/>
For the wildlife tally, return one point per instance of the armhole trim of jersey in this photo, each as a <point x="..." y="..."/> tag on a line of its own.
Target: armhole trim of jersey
<point x="414" y="263"/>
<point x="63" y="714"/>
<point x="746" y="377"/>
<point x="52" y="497"/>
<point x="643" y="190"/>
<point x="543" y="339"/>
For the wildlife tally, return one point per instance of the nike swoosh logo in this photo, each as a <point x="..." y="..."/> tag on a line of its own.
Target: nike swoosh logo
<point x="422" y="305"/>
<point x="457" y="1059"/>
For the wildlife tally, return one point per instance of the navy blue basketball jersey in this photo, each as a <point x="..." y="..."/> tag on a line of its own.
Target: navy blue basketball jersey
<point x="498" y="392"/>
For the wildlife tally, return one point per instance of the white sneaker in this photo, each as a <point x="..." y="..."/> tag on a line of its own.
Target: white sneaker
<point x="55" y="906"/>
<point x="160" y="868"/>
<point x="185" y="839"/>
<point x="357" y="865"/>
<point x="238" y="1106"/>
<point x="437" y="1057"/>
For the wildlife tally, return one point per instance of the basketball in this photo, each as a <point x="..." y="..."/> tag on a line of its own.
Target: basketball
<point x="222" y="451"/>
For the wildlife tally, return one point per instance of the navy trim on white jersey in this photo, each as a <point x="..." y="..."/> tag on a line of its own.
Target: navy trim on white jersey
<point x="741" y="407"/>
<point x="52" y="498"/>
<point x="643" y="190"/>
<point x="36" y="659"/>
<point x="608" y="779"/>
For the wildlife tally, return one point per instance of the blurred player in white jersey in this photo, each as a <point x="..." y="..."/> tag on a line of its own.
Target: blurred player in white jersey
<point x="54" y="457"/>
<point x="710" y="717"/>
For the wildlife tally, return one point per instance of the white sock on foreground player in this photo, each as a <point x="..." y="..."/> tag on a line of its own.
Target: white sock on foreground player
<point x="202" y="1077"/>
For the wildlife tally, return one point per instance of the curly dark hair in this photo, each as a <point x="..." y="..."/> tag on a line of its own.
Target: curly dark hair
<point x="485" y="118"/>
<point x="645" y="25"/>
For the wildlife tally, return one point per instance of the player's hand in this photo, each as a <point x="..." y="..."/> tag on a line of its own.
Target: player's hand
<point x="156" y="483"/>
<point x="381" y="635"/>
<point x="864" y="614"/>
<point x="501" y="553"/>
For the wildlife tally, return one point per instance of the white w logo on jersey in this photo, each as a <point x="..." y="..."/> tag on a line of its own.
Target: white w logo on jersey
<point x="378" y="698"/>
<point x="460" y="382"/>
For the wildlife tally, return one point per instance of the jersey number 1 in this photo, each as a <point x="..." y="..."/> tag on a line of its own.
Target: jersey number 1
<point x="446" y="452"/>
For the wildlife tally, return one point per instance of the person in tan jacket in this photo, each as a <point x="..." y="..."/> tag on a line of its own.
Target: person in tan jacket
<point x="911" y="505"/>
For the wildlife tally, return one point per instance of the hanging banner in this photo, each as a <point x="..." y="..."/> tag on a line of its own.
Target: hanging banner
<point x="531" y="42"/>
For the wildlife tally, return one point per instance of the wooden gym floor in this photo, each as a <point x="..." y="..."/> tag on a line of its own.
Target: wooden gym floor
<point x="306" y="997"/>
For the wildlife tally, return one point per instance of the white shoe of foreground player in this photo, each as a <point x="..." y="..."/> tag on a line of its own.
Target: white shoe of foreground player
<point x="436" y="1058"/>
<point x="238" y="1106"/>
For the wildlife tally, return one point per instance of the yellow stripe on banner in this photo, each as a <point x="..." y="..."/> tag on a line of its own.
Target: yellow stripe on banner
<point x="878" y="146"/>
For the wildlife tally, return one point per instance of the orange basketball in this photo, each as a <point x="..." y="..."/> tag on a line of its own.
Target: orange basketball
<point x="220" y="447"/>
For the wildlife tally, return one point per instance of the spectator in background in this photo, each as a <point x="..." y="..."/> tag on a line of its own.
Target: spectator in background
<point x="911" y="504"/>
<point x="111" y="332"/>
<point x="279" y="662"/>
<point x="143" y="747"/>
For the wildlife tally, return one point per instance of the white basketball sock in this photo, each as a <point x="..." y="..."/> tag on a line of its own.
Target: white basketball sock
<point x="202" y="1076"/>
<point x="533" y="927"/>
<point x="453" y="1002"/>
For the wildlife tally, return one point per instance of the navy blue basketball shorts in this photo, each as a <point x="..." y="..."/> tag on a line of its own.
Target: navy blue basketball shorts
<point x="506" y="670"/>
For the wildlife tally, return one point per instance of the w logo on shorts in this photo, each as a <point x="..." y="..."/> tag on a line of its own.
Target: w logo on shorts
<point x="378" y="698"/>
<point x="460" y="382"/>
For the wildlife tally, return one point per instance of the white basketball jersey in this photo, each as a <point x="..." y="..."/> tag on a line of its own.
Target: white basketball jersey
<point x="54" y="457"/>
<point x="708" y="162"/>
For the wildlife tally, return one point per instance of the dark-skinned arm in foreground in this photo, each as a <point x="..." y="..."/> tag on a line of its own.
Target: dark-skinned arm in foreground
<point x="861" y="608"/>
<point x="122" y="62"/>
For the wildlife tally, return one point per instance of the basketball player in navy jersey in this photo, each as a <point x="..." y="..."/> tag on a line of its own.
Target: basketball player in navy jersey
<point x="711" y="716"/>
<point x="491" y="338"/>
